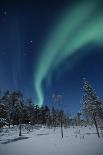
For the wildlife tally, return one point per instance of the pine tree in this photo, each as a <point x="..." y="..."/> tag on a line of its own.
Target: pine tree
<point x="92" y="106"/>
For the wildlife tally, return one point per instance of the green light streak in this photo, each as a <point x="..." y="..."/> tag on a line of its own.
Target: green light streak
<point x="77" y="27"/>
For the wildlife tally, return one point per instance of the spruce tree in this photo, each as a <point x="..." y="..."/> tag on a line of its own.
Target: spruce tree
<point x="92" y="106"/>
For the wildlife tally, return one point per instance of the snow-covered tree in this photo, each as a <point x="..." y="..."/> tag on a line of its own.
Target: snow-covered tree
<point x="92" y="105"/>
<point x="18" y="107"/>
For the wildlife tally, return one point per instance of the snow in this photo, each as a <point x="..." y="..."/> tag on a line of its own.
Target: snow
<point x="44" y="141"/>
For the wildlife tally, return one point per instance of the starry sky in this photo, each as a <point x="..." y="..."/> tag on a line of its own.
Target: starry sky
<point x="48" y="48"/>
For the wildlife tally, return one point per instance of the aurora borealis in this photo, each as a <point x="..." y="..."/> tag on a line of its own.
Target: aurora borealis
<point x="48" y="47"/>
<point x="78" y="26"/>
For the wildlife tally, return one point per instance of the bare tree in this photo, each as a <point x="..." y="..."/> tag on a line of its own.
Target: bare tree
<point x="57" y="101"/>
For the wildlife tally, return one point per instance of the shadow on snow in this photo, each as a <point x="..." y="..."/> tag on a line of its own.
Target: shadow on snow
<point x="14" y="140"/>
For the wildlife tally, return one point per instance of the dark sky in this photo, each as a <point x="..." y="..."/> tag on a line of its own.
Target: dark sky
<point x="24" y="27"/>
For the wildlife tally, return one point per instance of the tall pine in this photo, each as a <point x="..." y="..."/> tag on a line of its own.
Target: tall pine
<point x="92" y="106"/>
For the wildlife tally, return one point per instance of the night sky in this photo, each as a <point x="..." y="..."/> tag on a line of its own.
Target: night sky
<point x="48" y="48"/>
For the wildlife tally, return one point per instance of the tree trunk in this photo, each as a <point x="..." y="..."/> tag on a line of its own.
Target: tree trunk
<point x="61" y="127"/>
<point x="95" y="123"/>
<point x="20" y="129"/>
<point x="9" y="124"/>
<point x="9" y="120"/>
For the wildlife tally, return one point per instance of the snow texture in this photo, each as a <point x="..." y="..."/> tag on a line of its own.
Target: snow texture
<point x="44" y="141"/>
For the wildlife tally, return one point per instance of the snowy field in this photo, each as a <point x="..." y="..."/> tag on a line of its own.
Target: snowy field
<point x="44" y="141"/>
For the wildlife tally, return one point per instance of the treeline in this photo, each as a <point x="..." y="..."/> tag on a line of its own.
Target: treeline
<point x="14" y="110"/>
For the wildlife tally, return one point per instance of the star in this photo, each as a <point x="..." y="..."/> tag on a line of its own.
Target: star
<point x="31" y="41"/>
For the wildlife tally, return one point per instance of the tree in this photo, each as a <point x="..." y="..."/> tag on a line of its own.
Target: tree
<point x="78" y="121"/>
<point x="18" y="107"/>
<point x="57" y="101"/>
<point x="92" y="106"/>
<point x="7" y="100"/>
<point x="30" y="111"/>
<point x="61" y="122"/>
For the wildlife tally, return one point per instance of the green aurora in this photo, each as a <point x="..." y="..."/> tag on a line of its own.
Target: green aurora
<point x="76" y="27"/>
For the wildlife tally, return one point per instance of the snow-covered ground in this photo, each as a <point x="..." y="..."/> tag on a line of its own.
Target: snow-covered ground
<point x="44" y="141"/>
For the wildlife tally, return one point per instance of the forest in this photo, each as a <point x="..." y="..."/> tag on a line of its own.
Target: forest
<point x="14" y="110"/>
